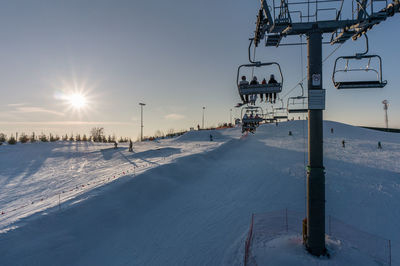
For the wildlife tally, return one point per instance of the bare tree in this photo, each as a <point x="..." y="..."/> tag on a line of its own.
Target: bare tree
<point x="97" y="134"/>
<point x="158" y="134"/>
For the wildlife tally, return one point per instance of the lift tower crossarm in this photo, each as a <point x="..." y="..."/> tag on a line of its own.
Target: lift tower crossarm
<point x="350" y="28"/>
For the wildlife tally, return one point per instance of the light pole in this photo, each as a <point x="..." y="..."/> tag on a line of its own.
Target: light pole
<point x="202" y="123"/>
<point x="385" y="107"/>
<point x="230" y="111"/>
<point x="141" y="120"/>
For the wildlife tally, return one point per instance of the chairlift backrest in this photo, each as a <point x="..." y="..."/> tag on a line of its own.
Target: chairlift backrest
<point x="248" y="109"/>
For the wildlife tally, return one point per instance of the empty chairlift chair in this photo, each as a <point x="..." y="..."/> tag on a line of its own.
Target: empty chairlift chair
<point x="373" y="80"/>
<point x="297" y="104"/>
<point x="280" y="112"/>
<point x="259" y="88"/>
<point x="269" y="116"/>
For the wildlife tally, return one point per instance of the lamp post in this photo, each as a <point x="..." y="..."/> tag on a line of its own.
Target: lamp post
<point x="230" y="112"/>
<point x="202" y="123"/>
<point x="141" y="120"/>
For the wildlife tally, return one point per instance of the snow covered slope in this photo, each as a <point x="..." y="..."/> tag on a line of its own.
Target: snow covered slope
<point x="192" y="206"/>
<point x="36" y="176"/>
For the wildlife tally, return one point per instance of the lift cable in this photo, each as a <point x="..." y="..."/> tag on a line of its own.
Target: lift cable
<point x="304" y="77"/>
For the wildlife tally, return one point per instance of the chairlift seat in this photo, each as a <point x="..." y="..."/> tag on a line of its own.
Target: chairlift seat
<point x="252" y="120"/>
<point x="280" y="117"/>
<point x="260" y="88"/>
<point x="297" y="111"/>
<point x="360" y="84"/>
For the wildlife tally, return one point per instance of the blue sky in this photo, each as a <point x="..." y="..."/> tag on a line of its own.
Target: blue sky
<point x="176" y="56"/>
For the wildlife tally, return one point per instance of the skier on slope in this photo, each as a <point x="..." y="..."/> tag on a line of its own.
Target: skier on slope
<point x="130" y="146"/>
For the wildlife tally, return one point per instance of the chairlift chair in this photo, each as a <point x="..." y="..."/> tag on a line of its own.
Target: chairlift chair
<point x="251" y="123"/>
<point x="294" y="102"/>
<point x="259" y="88"/>
<point x="359" y="84"/>
<point x="269" y="116"/>
<point x="252" y="109"/>
<point x="280" y="112"/>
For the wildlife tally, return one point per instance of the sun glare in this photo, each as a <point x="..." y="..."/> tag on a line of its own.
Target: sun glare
<point x="77" y="101"/>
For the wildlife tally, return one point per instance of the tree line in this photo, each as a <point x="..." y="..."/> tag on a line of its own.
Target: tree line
<point x="96" y="135"/>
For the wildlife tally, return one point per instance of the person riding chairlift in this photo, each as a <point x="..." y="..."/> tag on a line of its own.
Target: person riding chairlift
<point x="253" y="99"/>
<point x="244" y="82"/>
<point x="245" y="117"/>
<point x="263" y="82"/>
<point x="272" y="81"/>
<point x="257" y="117"/>
<point x="254" y="96"/>
<point x="254" y="81"/>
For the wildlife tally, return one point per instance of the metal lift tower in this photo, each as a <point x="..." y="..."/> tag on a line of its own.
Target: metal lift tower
<point x="281" y="18"/>
<point x="385" y="107"/>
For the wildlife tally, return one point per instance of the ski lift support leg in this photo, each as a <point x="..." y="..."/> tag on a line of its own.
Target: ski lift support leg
<point x="315" y="169"/>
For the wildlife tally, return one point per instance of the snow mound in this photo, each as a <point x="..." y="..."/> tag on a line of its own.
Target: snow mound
<point x="202" y="135"/>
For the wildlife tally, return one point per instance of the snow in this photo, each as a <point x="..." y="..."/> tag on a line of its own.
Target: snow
<point x="289" y="250"/>
<point x="188" y="200"/>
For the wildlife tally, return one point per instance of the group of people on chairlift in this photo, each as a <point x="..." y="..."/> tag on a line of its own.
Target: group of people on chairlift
<point x="250" y="126"/>
<point x="269" y="97"/>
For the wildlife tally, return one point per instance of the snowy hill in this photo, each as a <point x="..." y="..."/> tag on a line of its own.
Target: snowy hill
<point x="186" y="201"/>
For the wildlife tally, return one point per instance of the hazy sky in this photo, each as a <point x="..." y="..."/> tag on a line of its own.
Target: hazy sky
<point x="176" y="56"/>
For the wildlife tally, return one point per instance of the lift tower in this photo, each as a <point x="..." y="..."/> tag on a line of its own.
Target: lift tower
<point x="277" y="19"/>
<point x="385" y="107"/>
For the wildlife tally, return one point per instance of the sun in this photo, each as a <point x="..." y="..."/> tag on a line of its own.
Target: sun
<point x="77" y="100"/>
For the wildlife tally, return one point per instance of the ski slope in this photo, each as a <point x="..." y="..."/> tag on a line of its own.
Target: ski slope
<point x="191" y="200"/>
<point x="36" y="176"/>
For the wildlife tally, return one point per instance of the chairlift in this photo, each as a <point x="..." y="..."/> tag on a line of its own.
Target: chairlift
<point x="280" y="112"/>
<point x="359" y="84"/>
<point x="294" y="102"/>
<point x="252" y="118"/>
<point x="253" y="114"/>
<point x="259" y="88"/>
<point x="269" y="116"/>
